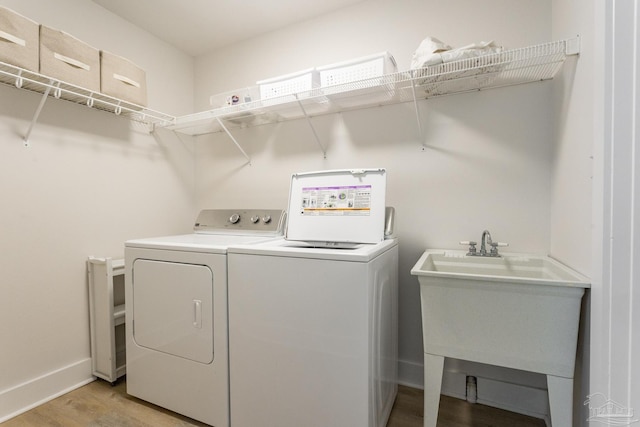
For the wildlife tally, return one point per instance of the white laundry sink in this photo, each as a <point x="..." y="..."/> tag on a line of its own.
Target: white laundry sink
<point x="519" y="311"/>
<point x="509" y="267"/>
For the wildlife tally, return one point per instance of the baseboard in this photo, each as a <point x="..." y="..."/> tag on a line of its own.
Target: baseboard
<point x="526" y="399"/>
<point x="22" y="397"/>
<point x="514" y="397"/>
<point x="411" y="374"/>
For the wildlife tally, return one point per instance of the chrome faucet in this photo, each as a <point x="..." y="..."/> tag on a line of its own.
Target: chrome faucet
<point x="486" y="240"/>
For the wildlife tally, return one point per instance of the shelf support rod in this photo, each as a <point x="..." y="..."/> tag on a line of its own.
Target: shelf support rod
<point x="37" y="113"/>
<point x="233" y="139"/>
<point x="417" y="109"/>
<point x="313" y="130"/>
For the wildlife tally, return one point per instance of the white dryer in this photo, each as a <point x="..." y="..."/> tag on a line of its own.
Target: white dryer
<point x="176" y="311"/>
<point x="313" y="326"/>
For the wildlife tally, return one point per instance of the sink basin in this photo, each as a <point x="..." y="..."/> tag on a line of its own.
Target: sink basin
<point x="520" y="311"/>
<point x="510" y="267"/>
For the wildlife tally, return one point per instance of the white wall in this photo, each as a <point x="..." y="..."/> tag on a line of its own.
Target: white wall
<point x="489" y="156"/>
<point x="574" y="137"/>
<point x="87" y="182"/>
<point x="369" y="27"/>
<point x="90" y="180"/>
<point x="571" y="192"/>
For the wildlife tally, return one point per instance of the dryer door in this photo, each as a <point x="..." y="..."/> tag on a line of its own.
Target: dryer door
<point x="173" y="308"/>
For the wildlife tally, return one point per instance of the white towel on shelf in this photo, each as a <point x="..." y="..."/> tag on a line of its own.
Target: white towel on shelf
<point x="471" y="51"/>
<point x="429" y="53"/>
<point x="433" y="51"/>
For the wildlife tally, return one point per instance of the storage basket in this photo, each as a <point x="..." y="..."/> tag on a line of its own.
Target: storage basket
<point x="359" y="82"/>
<point x="357" y="69"/>
<point x="122" y="79"/>
<point x="301" y="82"/>
<point x="281" y="91"/>
<point x="68" y="59"/>
<point x="19" y="40"/>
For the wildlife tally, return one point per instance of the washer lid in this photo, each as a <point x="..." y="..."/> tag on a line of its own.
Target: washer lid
<point x="344" y="207"/>
<point x="291" y="249"/>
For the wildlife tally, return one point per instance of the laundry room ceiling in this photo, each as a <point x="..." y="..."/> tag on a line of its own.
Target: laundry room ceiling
<point x="200" y="26"/>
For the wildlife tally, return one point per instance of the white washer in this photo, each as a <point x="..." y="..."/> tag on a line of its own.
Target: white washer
<point x="313" y="330"/>
<point x="176" y="311"/>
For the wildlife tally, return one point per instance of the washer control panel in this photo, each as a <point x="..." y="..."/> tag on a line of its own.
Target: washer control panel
<point x="241" y="221"/>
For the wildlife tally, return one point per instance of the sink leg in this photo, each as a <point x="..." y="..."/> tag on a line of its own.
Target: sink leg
<point x="433" y="368"/>
<point x="560" y="400"/>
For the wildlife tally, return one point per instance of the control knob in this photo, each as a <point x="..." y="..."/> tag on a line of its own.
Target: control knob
<point x="233" y="219"/>
<point x="266" y="219"/>
<point x="255" y="219"/>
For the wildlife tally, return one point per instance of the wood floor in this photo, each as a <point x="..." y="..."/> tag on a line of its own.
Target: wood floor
<point x="99" y="404"/>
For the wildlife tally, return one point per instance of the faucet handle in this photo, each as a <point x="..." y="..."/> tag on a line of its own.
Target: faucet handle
<point x="494" y="247"/>
<point x="472" y="246"/>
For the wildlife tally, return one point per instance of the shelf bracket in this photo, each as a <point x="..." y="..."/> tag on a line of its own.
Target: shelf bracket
<point x="417" y="109"/>
<point x="45" y="95"/>
<point x="313" y="130"/>
<point x="572" y="46"/>
<point x="233" y="139"/>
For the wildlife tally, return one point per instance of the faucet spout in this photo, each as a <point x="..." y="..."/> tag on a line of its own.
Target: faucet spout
<point x="486" y="240"/>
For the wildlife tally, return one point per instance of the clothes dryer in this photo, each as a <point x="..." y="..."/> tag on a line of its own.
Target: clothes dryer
<point x="176" y="311"/>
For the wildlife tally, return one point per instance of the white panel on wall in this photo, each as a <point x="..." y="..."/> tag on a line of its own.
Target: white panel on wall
<point x="616" y="299"/>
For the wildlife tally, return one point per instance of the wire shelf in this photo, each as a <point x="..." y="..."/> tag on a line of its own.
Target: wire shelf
<point x="28" y="80"/>
<point x="507" y="68"/>
<point x="510" y="67"/>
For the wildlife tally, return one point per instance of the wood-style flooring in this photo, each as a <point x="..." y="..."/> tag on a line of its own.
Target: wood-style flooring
<point x="99" y="404"/>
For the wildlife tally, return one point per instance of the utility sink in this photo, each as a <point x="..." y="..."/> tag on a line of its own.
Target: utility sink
<point x="518" y="310"/>
<point x="509" y="267"/>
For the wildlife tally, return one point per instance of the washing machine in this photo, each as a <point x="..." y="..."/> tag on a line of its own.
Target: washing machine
<point x="176" y="312"/>
<point x="313" y="316"/>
